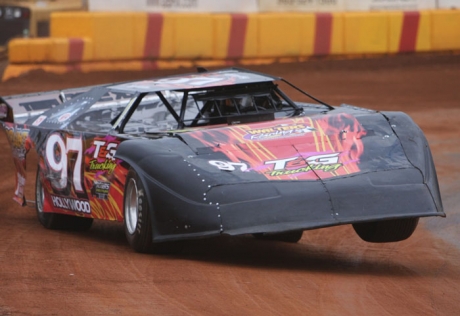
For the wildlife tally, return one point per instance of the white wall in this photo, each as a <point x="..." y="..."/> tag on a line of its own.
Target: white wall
<point x="449" y="4"/>
<point x="174" y="5"/>
<point x="370" y="5"/>
<point x="302" y="5"/>
<point x="247" y="6"/>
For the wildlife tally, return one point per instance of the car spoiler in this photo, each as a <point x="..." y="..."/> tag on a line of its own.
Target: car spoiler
<point x="21" y="107"/>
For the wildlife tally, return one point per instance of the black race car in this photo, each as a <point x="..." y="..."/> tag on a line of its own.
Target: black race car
<point x="219" y="152"/>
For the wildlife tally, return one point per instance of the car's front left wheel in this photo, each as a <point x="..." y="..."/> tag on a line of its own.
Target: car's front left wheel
<point x="138" y="222"/>
<point x="138" y="228"/>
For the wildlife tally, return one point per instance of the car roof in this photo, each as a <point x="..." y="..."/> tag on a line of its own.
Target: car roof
<point x="195" y="81"/>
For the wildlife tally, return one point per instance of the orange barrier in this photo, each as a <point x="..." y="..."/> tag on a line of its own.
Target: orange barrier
<point x="445" y="31"/>
<point x="155" y="39"/>
<point x="54" y="50"/>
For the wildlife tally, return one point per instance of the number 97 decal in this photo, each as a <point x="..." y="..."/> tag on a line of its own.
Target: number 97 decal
<point x="56" y="155"/>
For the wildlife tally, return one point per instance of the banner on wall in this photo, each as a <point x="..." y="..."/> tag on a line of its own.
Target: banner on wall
<point x="249" y="6"/>
<point x="449" y="4"/>
<point x="302" y="5"/>
<point x="237" y="6"/>
<point x="373" y="5"/>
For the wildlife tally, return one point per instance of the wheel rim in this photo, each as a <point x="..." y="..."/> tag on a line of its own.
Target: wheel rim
<point x="40" y="196"/>
<point x="131" y="206"/>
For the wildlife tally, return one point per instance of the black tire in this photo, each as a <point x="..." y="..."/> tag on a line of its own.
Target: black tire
<point x="137" y="219"/>
<point x="291" y="237"/>
<point x="386" y="231"/>
<point x="53" y="220"/>
<point x="136" y="211"/>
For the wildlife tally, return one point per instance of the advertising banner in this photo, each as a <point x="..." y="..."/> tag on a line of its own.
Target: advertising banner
<point x="233" y="6"/>
<point x="302" y="5"/>
<point x="373" y="5"/>
<point x="448" y="4"/>
<point x="250" y="6"/>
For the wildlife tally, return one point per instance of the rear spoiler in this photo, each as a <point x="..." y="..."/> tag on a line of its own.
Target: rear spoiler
<point x="22" y="107"/>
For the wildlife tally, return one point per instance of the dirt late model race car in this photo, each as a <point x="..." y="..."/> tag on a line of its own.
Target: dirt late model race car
<point x="218" y="152"/>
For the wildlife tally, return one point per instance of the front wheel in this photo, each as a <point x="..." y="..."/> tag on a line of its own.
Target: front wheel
<point x="386" y="231"/>
<point x="137" y="219"/>
<point x="138" y="229"/>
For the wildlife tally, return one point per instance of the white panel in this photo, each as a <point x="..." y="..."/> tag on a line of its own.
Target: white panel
<point x="449" y="4"/>
<point x="372" y="5"/>
<point x="237" y="6"/>
<point x="301" y="5"/>
<point x="115" y="5"/>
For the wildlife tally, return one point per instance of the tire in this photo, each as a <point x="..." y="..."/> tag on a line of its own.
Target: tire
<point x="291" y="237"/>
<point x="137" y="219"/>
<point x="386" y="231"/>
<point x="138" y="229"/>
<point x="53" y="220"/>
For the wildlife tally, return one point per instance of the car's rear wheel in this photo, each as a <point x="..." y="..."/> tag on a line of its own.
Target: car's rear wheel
<point x="386" y="231"/>
<point x="291" y="237"/>
<point x="53" y="220"/>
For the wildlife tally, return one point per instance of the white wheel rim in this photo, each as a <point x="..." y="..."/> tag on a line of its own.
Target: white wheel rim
<point x="131" y="206"/>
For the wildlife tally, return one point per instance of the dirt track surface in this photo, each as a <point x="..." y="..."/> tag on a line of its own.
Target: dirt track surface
<point x="329" y="272"/>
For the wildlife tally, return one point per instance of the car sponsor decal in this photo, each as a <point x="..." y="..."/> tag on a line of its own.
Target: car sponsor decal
<point x="101" y="155"/>
<point x="105" y="176"/>
<point x="80" y="174"/>
<point x="201" y="80"/>
<point x="229" y="165"/>
<point x="18" y="137"/>
<point x="101" y="190"/>
<point x="296" y="165"/>
<point x="307" y="148"/>
<point x="278" y="131"/>
<point x="70" y="204"/>
<point x="39" y="120"/>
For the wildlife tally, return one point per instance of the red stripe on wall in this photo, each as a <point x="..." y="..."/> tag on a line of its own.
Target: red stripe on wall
<point x="409" y="31"/>
<point x="153" y="35"/>
<point x="323" y="34"/>
<point x="149" y="65"/>
<point x="237" y="38"/>
<point x="76" y="46"/>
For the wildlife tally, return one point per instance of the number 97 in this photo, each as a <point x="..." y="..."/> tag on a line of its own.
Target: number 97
<point x="56" y="154"/>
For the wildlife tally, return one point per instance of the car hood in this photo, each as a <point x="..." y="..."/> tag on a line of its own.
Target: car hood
<point x="322" y="146"/>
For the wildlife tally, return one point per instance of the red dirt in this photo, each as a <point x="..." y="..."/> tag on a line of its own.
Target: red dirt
<point x="330" y="271"/>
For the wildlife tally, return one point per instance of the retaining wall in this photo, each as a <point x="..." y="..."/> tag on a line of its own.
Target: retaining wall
<point x="136" y="40"/>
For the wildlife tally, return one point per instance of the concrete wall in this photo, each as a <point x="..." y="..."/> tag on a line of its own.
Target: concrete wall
<point x="149" y="40"/>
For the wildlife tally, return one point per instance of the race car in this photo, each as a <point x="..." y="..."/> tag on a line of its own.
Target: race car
<point x="219" y="152"/>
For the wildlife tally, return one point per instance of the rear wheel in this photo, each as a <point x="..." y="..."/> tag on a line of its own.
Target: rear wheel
<point x="53" y="220"/>
<point x="291" y="237"/>
<point x="386" y="231"/>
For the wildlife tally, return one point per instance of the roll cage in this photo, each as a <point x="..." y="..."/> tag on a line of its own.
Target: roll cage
<point x="211" y="106"/>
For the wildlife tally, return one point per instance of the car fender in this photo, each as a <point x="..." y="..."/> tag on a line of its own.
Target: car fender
<point x="417" y="150"/>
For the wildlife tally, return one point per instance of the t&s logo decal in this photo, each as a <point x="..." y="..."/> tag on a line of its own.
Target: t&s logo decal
<point x="102" y="155"/>
<point x="295" y="165"/>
